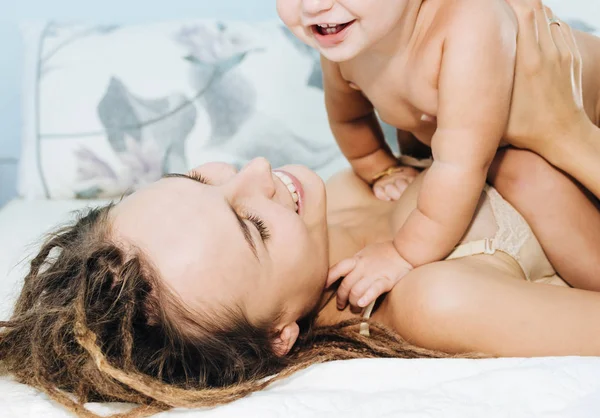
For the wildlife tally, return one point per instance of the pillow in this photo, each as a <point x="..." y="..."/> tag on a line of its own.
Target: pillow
<point x="110" y="108"/>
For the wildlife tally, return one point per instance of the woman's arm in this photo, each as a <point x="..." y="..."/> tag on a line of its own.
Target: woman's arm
<point x="465" y="305"/>
<point x="547" y="113"/>
<point x="579" y="157"/>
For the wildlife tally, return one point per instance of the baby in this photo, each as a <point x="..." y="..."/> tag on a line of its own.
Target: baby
<point x="441" y="71"/>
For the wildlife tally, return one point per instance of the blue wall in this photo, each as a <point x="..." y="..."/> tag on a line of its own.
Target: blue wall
<point x="117" y="11"/>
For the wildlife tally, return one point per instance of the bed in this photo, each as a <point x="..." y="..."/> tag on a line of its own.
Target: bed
<point x="539" y="387"/>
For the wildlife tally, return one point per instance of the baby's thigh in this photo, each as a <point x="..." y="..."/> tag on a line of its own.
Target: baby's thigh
<point x="562" y="214"/>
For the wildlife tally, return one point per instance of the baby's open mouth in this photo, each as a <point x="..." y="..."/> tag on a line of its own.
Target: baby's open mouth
<point x="331" y="28"/>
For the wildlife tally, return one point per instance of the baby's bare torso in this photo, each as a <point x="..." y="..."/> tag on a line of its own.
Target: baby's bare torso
<point x="404" y="88"/>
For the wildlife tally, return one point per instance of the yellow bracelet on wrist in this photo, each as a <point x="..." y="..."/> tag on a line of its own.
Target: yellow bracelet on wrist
<point x="405" y="161"/>
<point x="390" y="170"/>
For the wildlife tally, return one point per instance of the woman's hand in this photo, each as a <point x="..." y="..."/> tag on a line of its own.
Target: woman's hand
<point x="547" y="103"/>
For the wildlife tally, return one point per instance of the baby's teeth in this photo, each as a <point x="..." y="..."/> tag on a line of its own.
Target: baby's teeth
<point x="291" y="188"/>
<point x="295" y="197"/>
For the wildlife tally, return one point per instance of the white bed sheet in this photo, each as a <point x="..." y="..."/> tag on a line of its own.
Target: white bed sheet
<point x="544" y="387"/>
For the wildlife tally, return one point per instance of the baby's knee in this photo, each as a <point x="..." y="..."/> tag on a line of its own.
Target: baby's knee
<point x="520" y="174"/>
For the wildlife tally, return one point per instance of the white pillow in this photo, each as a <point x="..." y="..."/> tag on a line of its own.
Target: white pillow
<point x="110" y="108"/>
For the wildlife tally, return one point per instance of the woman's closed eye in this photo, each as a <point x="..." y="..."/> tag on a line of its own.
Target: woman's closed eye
<point x="193" y="175"/>
<point x="259" y="224"/>
<point x="198" y="177"/>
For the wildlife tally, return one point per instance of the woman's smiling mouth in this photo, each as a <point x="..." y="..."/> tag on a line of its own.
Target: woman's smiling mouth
<point x="294" y="187"/>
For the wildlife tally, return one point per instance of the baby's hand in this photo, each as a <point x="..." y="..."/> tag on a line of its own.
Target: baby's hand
<point x="370" y="273"/>
<point x="391" y="186"/>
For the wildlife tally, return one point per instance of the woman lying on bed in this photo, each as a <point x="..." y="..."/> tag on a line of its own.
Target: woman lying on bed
<point x="198" y="289"/>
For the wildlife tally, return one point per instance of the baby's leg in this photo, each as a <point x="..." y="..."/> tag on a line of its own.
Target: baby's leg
<point x="562" y="214"/>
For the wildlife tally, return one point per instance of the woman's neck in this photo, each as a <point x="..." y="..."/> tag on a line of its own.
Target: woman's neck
<point x="349" y="232"/>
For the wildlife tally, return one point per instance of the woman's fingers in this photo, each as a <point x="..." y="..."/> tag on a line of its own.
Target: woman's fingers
<point x="576" y="54"/>
<point x="526" y="15"/>
<point x="558" y="36"/>
<point x="545" y="38"/>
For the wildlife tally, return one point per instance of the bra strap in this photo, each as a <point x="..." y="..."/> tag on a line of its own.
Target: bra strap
<point x="483" y="246"/>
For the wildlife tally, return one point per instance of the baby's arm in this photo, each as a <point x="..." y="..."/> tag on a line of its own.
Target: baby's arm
<point x="475" y="88"/>
<point x="354" y="125"/>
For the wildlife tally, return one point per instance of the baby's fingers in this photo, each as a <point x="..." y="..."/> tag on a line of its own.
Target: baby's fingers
<point x="348" y="283"/>
<point x="379" y="192"/>
<point x="359" y="290"/>
<point x="377" y="288"/>
<point x="393" y="191"/>
<point x="391" y="188"/>
<point x="341" y="269"/>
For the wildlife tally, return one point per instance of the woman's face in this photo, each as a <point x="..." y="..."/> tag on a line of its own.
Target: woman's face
<point x="219" y="237"/>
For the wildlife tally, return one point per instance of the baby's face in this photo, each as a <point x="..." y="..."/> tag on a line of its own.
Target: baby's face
<point x="341" y="29"/>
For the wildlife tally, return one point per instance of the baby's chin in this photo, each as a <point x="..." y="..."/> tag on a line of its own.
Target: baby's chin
<point x="340" y="53"/>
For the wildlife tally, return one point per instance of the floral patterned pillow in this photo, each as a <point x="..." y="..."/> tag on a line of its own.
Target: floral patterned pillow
<point x="111" y="108"/>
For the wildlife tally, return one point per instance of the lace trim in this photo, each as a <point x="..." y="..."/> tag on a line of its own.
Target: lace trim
<point x="513" y="232"/>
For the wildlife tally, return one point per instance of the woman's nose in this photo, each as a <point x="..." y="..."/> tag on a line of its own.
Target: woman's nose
<point x="255" y="177"/>
<point x="313" y="7"/>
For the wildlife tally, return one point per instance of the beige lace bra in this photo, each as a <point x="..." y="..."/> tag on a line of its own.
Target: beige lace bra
<point x="513" y="236"/>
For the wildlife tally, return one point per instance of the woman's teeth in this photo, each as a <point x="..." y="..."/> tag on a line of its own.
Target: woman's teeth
<point x="290" y="186"/>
